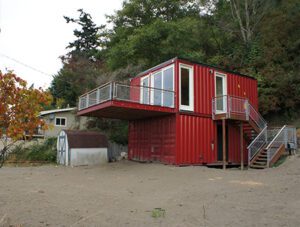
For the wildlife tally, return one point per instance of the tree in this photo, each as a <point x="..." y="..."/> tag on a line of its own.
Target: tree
<point x="137" y="13"/>
<point x="248" y="14"/>
<point x="149" y="32"/>
<point x="77" y="76"/>
<point x="89" y="38"/>
<point x="82" y="64"/>
<point x="279" y="60"/>
<point x="19" y="110"/>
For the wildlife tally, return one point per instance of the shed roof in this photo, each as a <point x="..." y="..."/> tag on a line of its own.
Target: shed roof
<point x="86" y="139"/>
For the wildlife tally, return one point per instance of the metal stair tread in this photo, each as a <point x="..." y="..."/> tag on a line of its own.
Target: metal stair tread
<point x="258" y="166"/>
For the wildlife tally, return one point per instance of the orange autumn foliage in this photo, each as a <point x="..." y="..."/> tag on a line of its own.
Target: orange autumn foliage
<point x="20" y="107"/>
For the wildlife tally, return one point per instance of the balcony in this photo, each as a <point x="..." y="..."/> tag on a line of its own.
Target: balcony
<point x="121" y="101"/>
<point x="237" y="108"/>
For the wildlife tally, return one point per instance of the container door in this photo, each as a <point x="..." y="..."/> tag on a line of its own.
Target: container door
<point x="220" y="142"/>
<point x="221" y="92"/>
<point x="186" y="83"/>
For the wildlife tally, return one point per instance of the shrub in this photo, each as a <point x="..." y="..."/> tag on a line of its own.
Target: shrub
<point x="43" y="152"/>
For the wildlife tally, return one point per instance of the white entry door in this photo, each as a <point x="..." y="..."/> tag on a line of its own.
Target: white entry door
<point x="220" y="92"/>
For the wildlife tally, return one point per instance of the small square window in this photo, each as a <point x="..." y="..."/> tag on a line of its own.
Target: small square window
<point x="63" y="121"/>
<point x="60" y="121"/>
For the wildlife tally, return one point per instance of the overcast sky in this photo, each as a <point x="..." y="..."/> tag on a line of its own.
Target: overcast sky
<point x="34" y="32"/>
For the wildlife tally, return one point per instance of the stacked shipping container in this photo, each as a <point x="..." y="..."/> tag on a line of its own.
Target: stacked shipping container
<point x="190" y="137"/>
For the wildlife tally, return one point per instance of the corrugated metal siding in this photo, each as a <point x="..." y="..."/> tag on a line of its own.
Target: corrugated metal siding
<point x="153" y="139"/>
<point x="135" y="81"/>
<point x="234" y="144"/>
<point x="203" y="89"/>
<point x="243" y="87"/>
<point x="197" y="141"/>
<point x="195" y="136"/>
<point x="135" y="91"/>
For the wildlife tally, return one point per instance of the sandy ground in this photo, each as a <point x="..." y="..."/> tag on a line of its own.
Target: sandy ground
<point x="125" y="193"/>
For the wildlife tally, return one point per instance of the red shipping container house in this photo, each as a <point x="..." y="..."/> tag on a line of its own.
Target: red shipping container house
<point x="187" y="113"/>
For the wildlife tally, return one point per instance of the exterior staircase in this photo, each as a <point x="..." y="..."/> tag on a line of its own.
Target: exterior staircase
<point x="266" y="144"/>
<point x="265" y="150"/>
<point x="260" y="161"/>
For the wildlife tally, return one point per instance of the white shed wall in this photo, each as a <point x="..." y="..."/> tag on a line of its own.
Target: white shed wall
<point x="88" y="156"/>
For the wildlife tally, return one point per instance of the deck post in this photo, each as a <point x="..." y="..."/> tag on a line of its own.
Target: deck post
<point x="242" y="146"/>
<point x="224" y="142"/>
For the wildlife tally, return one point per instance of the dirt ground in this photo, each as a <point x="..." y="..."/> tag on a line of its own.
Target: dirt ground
<point x="125" y="194"/>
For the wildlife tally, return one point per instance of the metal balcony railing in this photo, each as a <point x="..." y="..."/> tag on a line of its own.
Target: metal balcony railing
<point x="237" y="106"/>
<point x="129" y="93"/>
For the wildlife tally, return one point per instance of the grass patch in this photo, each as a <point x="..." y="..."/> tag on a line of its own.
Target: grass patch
<point x="38" y="152"/>
<point x="158" y="213"/>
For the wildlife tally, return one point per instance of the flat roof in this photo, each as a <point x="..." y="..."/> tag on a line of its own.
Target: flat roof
<point x="168" y="62"/>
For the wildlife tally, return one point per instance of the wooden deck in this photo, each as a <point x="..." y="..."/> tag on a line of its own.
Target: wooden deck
<point x="239" y="117"/>
<point x="125" y="110"/>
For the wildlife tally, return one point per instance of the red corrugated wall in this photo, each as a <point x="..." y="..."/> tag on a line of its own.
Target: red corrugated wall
<point x="195" y="140"/>
<point x="135" y="89"/>
<point x="153" y="139"/>
<point x="234" y="144"/>
<point x="243" y="87"/>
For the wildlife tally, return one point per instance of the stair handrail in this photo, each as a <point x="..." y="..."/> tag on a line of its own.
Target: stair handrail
<point x="257" y="143"/>
<point x="264" y="123"/>
<point x="256" y="138"/>
<point x="275" y="139"/>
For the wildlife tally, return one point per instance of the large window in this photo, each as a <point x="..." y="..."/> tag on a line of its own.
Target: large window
<point x="186" y="88"/>
<point x="145" y="93"/>
<point x="157" y="93"/>
<point x="60" y="121"/>
<point x="168" y="86"/>
<point x="163" y="83"/>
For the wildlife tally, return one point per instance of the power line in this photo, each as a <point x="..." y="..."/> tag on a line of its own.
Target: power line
<point x="24" y="64"/>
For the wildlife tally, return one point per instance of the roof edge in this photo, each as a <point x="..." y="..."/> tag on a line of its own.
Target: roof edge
<point x="45" y="112"/>
<point x="172" y="60"/>
<point x="216" y="67"/>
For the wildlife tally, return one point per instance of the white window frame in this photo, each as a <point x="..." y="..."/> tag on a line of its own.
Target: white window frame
<point x="151" y="85"/>
<point x="61" y="118"/>
<point x="152" y="75"/>
<point x="142" y="90"/>
<point x="162" y="83"/>
<point x="190" y="107"/>
<point x="173" y="85"/>
<point x="224" y="78"/>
